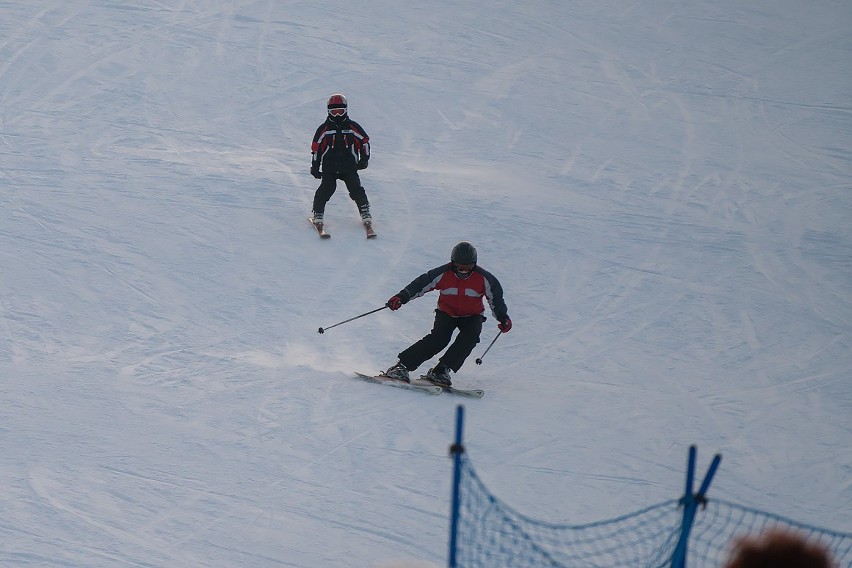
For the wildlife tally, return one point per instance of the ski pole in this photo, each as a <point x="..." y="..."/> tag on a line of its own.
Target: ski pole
<point x="322" y="329"/>
<point x="479" y="360"/>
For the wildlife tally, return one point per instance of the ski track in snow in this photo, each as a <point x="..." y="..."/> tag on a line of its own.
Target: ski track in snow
<point x="664" y="195"/>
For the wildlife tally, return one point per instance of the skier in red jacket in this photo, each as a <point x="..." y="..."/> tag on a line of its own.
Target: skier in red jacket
<point x="462" y="285"/>
<point x="339" y="149"/>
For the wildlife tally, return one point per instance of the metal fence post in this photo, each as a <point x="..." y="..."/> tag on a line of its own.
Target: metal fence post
<point x="690" y="502"/>
<point x="456" y="451"/>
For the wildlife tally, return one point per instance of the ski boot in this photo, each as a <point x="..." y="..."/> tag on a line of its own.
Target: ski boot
<point x="398" y="372"/>
<point x="366" y="218"/>
<point x="439" y="375"/>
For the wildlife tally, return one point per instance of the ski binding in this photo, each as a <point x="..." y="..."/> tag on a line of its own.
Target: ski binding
<point x="368" y="228"/>
<point x="319" y="227"/>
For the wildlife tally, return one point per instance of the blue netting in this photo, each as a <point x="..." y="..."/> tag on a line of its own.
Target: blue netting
<point x="721" y="522"/>
<point x="491" y="534"/>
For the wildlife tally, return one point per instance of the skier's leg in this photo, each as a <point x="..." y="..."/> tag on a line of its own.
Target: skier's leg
<point x="326" y="189"/>
<point x="430" y="345"/>
<point x="469" y="330"/>
<point x="358" y="194"/>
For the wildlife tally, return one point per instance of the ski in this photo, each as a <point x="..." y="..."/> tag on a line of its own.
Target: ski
<point x="368" y="227"/>
<point x="320" y="231"/>
<point x="470" y="393"/>
<point x="428" y="388"/>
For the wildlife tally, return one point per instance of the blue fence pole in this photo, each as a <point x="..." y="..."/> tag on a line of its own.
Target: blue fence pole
<point x="690" y="502"/>
<point x="456" y="451"/>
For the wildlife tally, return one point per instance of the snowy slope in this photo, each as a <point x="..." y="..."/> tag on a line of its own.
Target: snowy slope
<point x="662" y="189"/>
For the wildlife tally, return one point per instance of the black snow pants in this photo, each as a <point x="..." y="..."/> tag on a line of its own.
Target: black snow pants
<point x="328" y="185"/>
<point x="469" y="328"/>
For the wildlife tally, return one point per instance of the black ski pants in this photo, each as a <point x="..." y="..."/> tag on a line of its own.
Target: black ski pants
<point x="328" y="185"/>
<point x="469" y="328"/>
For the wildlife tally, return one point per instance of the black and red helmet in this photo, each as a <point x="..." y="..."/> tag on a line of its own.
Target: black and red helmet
<point x="337" y="106"/>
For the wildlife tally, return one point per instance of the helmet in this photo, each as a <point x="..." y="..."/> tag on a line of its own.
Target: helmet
<point x="463" y="253"/>
<point x="337" y="102"/>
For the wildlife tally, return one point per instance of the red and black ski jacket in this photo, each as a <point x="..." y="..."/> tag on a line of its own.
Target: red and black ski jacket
<point x="459" y="297"/>
<point x="340" y="147"/>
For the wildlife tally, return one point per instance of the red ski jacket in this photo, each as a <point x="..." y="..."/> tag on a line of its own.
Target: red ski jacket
<point x="459" y="297"/>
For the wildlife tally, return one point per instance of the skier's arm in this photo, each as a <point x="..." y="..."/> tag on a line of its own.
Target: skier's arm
<point x="424" y="283"/>
<point x="363" y="146"/>
<point x="494" y="295"/>
<point x="316" y="154"/>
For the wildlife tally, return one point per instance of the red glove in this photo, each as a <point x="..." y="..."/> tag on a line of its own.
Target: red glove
<point x="394" y="303"/>
<point x="505" y="324"/>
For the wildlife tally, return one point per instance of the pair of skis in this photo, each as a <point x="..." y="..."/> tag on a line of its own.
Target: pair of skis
<point x="420" y="385"/>
<point x="368" y="229"/>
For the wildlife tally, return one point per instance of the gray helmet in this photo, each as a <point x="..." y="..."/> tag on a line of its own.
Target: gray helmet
<point x="463" y="253"/>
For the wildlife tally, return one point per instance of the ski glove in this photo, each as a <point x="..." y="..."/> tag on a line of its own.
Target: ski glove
<point x="505" y="324"/>
<point x="315" y="171"/>
<point x="394" y="303"/>
<point x="362" y="164"/>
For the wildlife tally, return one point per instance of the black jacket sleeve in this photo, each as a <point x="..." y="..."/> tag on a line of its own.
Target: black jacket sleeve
<point x="419" y="285"/>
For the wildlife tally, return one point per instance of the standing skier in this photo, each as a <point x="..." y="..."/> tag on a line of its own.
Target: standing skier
<point x="339" y="149"/>
<point x="461" y="284"/>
